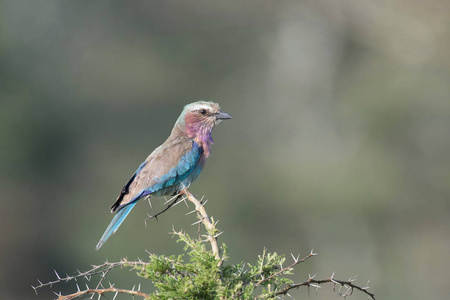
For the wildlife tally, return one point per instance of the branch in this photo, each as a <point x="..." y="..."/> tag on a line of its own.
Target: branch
<point x="317" y="282"/>
<point x="101" y="270"/>
<point x="282" y="271"/>
<point x="175" y="201"/>
<point x="100" y="292"/>
<point x="212" y="235"/>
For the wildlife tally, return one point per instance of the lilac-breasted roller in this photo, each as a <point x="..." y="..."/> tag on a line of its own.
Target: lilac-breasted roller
<point x="172" y="166"/>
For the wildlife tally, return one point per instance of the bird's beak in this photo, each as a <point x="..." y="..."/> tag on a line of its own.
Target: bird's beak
<point x="223" y="116"/>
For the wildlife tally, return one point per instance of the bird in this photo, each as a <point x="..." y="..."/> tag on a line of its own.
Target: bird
<point x="174" y="165"/>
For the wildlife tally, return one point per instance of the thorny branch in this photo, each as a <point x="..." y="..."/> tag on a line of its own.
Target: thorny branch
<point x="212" y="232"/>
<point x="348" y="285"/>
<point x="100" y="292"/>
<point x="101" y="270"/>
<point x="212" y="235"/>
<point x="284" y="270"/>
<point x="175" y="200"/>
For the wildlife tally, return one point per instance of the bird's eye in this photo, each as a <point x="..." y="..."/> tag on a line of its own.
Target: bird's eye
<point x="203" y="111"/>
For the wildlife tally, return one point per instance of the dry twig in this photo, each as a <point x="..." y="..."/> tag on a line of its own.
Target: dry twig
<point x="348" y="285"/>
<point x="100" y="292"/>
<point x="101" y="270"/>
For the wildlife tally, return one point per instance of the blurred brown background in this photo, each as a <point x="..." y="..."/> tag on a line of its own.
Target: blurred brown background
<point x="339" y="142"/>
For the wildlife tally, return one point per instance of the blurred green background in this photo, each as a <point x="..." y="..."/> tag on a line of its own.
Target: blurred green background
<point x="339" y="142"/>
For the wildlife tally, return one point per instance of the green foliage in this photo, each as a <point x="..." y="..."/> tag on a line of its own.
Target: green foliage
<point x="202" y="276"/>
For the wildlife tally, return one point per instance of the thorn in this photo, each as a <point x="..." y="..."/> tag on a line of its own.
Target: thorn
<point x="243" y="266"/>
<point x="176" y="203"/>
<point x="311" y="277"/>
<point x="115" y="295"/>
<point x="139" y="287"/>
<point x="293" y="257"/>
<point x="190" y="212"/>
<point x="195" y="223"/>
<point x="57" y="275"/>
<point x="149" y="203"/>
<point x="78" y="288"/>
<point x="367" y="286"/>
<point x="312" y="253"/>
<point x="218" y="234"/>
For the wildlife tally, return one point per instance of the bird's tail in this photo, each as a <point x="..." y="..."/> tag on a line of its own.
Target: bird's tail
<point x="115" y="223"/>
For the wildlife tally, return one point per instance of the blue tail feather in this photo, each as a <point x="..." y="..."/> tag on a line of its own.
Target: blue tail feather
<point x="115" y="223"/>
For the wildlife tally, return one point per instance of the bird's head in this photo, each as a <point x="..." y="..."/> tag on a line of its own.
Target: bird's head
<point x="199" y="119"/>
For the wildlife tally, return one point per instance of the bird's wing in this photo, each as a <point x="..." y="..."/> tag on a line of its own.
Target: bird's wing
<point x="168" y="164"/>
